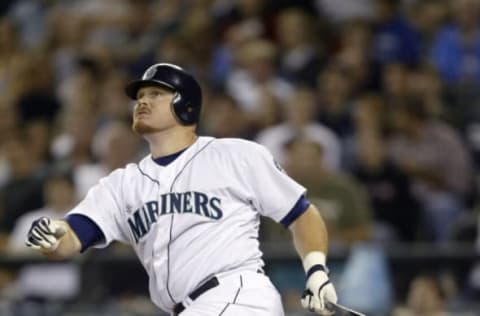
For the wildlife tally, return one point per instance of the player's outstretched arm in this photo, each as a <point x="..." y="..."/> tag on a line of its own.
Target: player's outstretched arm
<point x="53" y="238"/>
<point x="311" y="241"/>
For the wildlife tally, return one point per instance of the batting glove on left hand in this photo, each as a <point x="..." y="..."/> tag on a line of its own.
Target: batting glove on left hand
<point x="319" y="290"/>
<point x="44" y="234"/>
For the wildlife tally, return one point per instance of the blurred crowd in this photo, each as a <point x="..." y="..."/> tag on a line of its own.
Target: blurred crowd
<point x="373" y="105"/>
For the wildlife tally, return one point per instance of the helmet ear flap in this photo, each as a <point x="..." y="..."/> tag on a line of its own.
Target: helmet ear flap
<point x="177" y="98"/>
<point x="182" y="110"/>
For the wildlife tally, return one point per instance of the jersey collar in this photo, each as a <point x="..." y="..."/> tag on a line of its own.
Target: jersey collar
<point x="166" y="160"/>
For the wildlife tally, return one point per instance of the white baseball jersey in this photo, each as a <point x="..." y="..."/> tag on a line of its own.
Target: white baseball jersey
<point x="195" y="217"/>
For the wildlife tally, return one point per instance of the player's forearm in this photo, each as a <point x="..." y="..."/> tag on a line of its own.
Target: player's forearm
<point x="309" y="232"/>
<point x="310" y="238"/>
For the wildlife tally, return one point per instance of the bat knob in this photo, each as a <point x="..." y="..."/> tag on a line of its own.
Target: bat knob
<point x="306" y="293"/>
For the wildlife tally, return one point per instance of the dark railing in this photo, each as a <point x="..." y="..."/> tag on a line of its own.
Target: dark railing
<point x="107" y="273"/>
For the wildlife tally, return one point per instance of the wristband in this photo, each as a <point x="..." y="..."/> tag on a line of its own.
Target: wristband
<point x="315" y="268"/>
<point x="314" y="258"/>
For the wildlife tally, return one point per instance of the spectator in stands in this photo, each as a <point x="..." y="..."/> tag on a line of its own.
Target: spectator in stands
<point x="82" y="86"/>
<point x="395" y="83"/>
<point x="9" y="48"/>
<point x="108" y="26"/>
<point x="256" y="77"/>
<point x="114" y="105"/>
<point x="300" y="111"/>
<point x="65" y="40"/>
<point x="143" y="24"/>
<point x="114" y="146"/>
<point x="76" y="127"/>
<point x="59" y="196"/>
<point x="370" y="115"/>
<point x="395" y="39"/>
<point x="30" y="86"/>
<point x="433" y="154"/>
<point x="343" y="201"/>
<point x="196" y="24"/>
<point x="424" y="82"/>
<point x="456" y="56"/>
<point x="428" y="16"/>
<point x="37" y="100"/>
<point x="355" y="55"/>
<point x="425" y="297"/>
<point x="35" y="280"/>
<point x="299" y="54"/>
<point x="252" y="13"/>
<point x="166" y="14"/>
<point x="31" y="19"/>
<point x="9" y="127"/>
<point x="456" y="49"/>
<point x="172" y="49"/>
<point x="236" y="23"/>
<point x="343" y="11"/>
<point x="395" y="210"/>
<point x="335" y="88"/>
<point x="472" y="135"/>
<point x="23" y="190"/>
<point x="34" y="100"/>
<point x="472" y="285"/>
<point x="224" y="118"/>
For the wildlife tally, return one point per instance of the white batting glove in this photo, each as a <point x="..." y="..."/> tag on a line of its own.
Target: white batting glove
<point x="45" y="234"/>
<point x="319" y="290"/>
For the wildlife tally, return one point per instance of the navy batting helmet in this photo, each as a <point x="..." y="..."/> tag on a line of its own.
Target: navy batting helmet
<point x="187" y="101"/>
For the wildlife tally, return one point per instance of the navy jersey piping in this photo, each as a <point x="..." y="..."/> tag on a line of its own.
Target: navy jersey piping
<point x="171" y="221"/>
<point x="234" y="299"/>
<point x="146" y="175"/>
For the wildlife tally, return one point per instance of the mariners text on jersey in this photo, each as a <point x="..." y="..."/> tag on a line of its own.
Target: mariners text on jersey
<point x="197" y="203"/>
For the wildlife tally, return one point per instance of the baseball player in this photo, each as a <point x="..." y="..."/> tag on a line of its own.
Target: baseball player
<point x="190" y="210"/>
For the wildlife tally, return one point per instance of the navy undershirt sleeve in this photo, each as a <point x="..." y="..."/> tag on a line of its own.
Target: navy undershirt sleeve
<point x="298" y="209"/>
<point x="86" y="230"/>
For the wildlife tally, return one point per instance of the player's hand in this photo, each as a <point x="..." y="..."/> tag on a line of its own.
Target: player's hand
<point x="45" y="234"/>
<point x="319" y="290"/>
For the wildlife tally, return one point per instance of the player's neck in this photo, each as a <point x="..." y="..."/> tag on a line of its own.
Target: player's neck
<point x="170" y="141"/>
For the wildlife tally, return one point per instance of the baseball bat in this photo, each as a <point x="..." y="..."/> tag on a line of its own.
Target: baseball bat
<point x="339" y="309"/>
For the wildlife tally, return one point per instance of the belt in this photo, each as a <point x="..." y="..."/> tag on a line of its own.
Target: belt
<point x="210" y="284"/>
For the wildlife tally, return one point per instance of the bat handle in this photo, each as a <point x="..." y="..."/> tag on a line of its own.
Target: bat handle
<point x="306" y="293"/>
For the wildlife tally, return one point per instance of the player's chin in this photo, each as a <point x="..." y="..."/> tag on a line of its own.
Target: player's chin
<point x="142" y="128"/>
